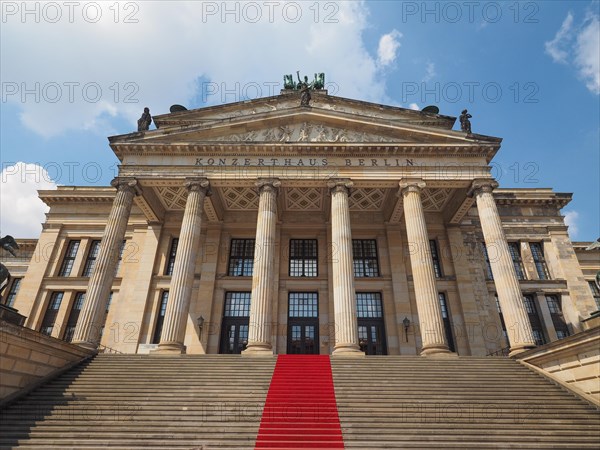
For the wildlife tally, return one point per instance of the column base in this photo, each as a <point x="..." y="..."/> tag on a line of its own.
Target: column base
<point x="347" y="350"/>
<point x="437" y="350"/>
<point x="169" y="348"/>
<point x="519" y="349"/>
<point x="258" y="349"/>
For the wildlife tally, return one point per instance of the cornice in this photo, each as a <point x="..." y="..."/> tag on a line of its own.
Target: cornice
<point x="532" y="197"/>
<point x="358" y="149"/>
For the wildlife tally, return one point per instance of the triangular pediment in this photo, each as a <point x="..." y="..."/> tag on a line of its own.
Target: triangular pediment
<point x="321" y="102"/>
<point x="296" y="124"/>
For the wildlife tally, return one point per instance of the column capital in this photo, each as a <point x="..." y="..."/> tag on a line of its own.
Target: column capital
<point x="126" y="185"/>
<point x="340" y="184"/>
<point x="198" y="184"/>
<point x="482" y="185"/>
<point x="268" y="184"/>
<point x="411" y="185"/>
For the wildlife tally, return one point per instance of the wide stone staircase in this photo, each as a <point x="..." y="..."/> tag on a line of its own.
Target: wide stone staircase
<point x="216" y="402"/>
<point x="141" y="401"/>
<point x="421" y="402"/>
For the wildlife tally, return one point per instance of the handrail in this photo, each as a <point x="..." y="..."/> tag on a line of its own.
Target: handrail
<point x="105" y="349"/>
<point x="502" y="352"/>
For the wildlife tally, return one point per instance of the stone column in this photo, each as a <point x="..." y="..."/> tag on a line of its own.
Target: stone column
<point x="518" y="328"/>
<point x="182" y="280"/>
<point x="426" y="294"/>
<point x="91" y="317"/>
<point x="259" y="330"/>
<point x="344" y="296"/>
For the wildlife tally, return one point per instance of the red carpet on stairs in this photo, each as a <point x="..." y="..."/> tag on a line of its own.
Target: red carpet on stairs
<point x="300" y="411"/>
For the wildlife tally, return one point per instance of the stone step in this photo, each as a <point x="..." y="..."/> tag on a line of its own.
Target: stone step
<point x="217" y="401"/>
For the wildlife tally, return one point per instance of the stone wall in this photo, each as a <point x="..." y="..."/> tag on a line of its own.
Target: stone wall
<point x="573" y="362"/>
<point x="27" y="356"/>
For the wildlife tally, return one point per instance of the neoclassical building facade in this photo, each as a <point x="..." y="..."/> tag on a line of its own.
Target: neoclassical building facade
<point x="267" y="227"/>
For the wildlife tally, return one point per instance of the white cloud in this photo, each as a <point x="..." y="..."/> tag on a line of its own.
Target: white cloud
<point x="429" y="72"/>
<point x="579" y="46"/>
<point x="587" y="53"/>
<point x="21" y="210"/>
<point x="388" y="48"/>
<point x="168" y="50"/>
<point x="556" y="48"/>
<point x="571" y="220"/>
<point x="414" y="106"/>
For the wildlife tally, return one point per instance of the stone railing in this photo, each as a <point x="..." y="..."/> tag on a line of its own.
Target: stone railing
<point x="573" y="362"/>
<point x="30" y="358"/>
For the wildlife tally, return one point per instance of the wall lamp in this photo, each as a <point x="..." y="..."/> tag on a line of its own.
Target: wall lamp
<point x="406" y="323"/>
<point x="200" y="323"/>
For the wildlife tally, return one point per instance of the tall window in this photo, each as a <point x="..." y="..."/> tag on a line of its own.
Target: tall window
<point x="537" y="251"/>
<point x="534" y="319"/>
<point x="241" y="258"/>
<point x="303" y="257"/>
<point x="110" y="296"/>
<point x="515" y="254"/>
<point x="365" y="259"/>
<point x="303" y="323"/>
<point x="121" y="250"/>
<point x="446" y="319"/>
<point x="13" y="291"/>
<point x="558" y="320"/>
<point x="303" y="304"/>
<point x="51" y="312"/>
<point x="437" y="266"/>
<point x="371" y="328"/>
<point x="172" y="254"/>
<point x="236" y="318"/>
<point x="595" y="293"/>
<point x="162" y="309"/>
<point x="502" y="324"/>
<point x="90" y="261"/>
<point x="488" y="267"/>
<point x="74" y="316"/>
<point x="69" y="259"/>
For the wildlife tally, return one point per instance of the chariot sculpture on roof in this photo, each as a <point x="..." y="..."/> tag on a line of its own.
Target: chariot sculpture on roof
<point x="303" y="85"/>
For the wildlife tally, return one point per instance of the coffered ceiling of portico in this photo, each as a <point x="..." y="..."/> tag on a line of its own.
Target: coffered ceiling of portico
<point x="303" y="199"/>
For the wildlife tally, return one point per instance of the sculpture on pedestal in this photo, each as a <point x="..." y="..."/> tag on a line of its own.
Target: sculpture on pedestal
<point x="465" y="123"/>
<point x="304" y="86"/>
<point x="9" y="244"/>
<point x="145" y="121"/>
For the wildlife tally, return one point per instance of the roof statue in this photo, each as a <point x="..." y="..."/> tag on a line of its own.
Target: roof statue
<point x="465" y="123"/>
<point x="304" y="86"/>
<point x="9" y="244"/>
<point x="145" y="121"/>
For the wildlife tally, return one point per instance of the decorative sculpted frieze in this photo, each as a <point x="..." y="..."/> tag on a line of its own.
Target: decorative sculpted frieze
<point x="305" y="132"/>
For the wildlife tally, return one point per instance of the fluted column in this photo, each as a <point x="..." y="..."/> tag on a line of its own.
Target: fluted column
<point x="431" y="322"/>
<point x="344" y="296"/>
<point x="182" y="280"/>
<point x="259" y="330"/>
<point x="518" y="328"/>
<point x="91" y="317"/>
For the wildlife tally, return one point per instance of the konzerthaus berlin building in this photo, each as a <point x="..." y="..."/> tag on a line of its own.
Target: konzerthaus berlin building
<point x="268" y="227"/>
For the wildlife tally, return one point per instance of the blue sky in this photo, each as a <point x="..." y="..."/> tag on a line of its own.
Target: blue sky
<point x="71" y="76"/>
